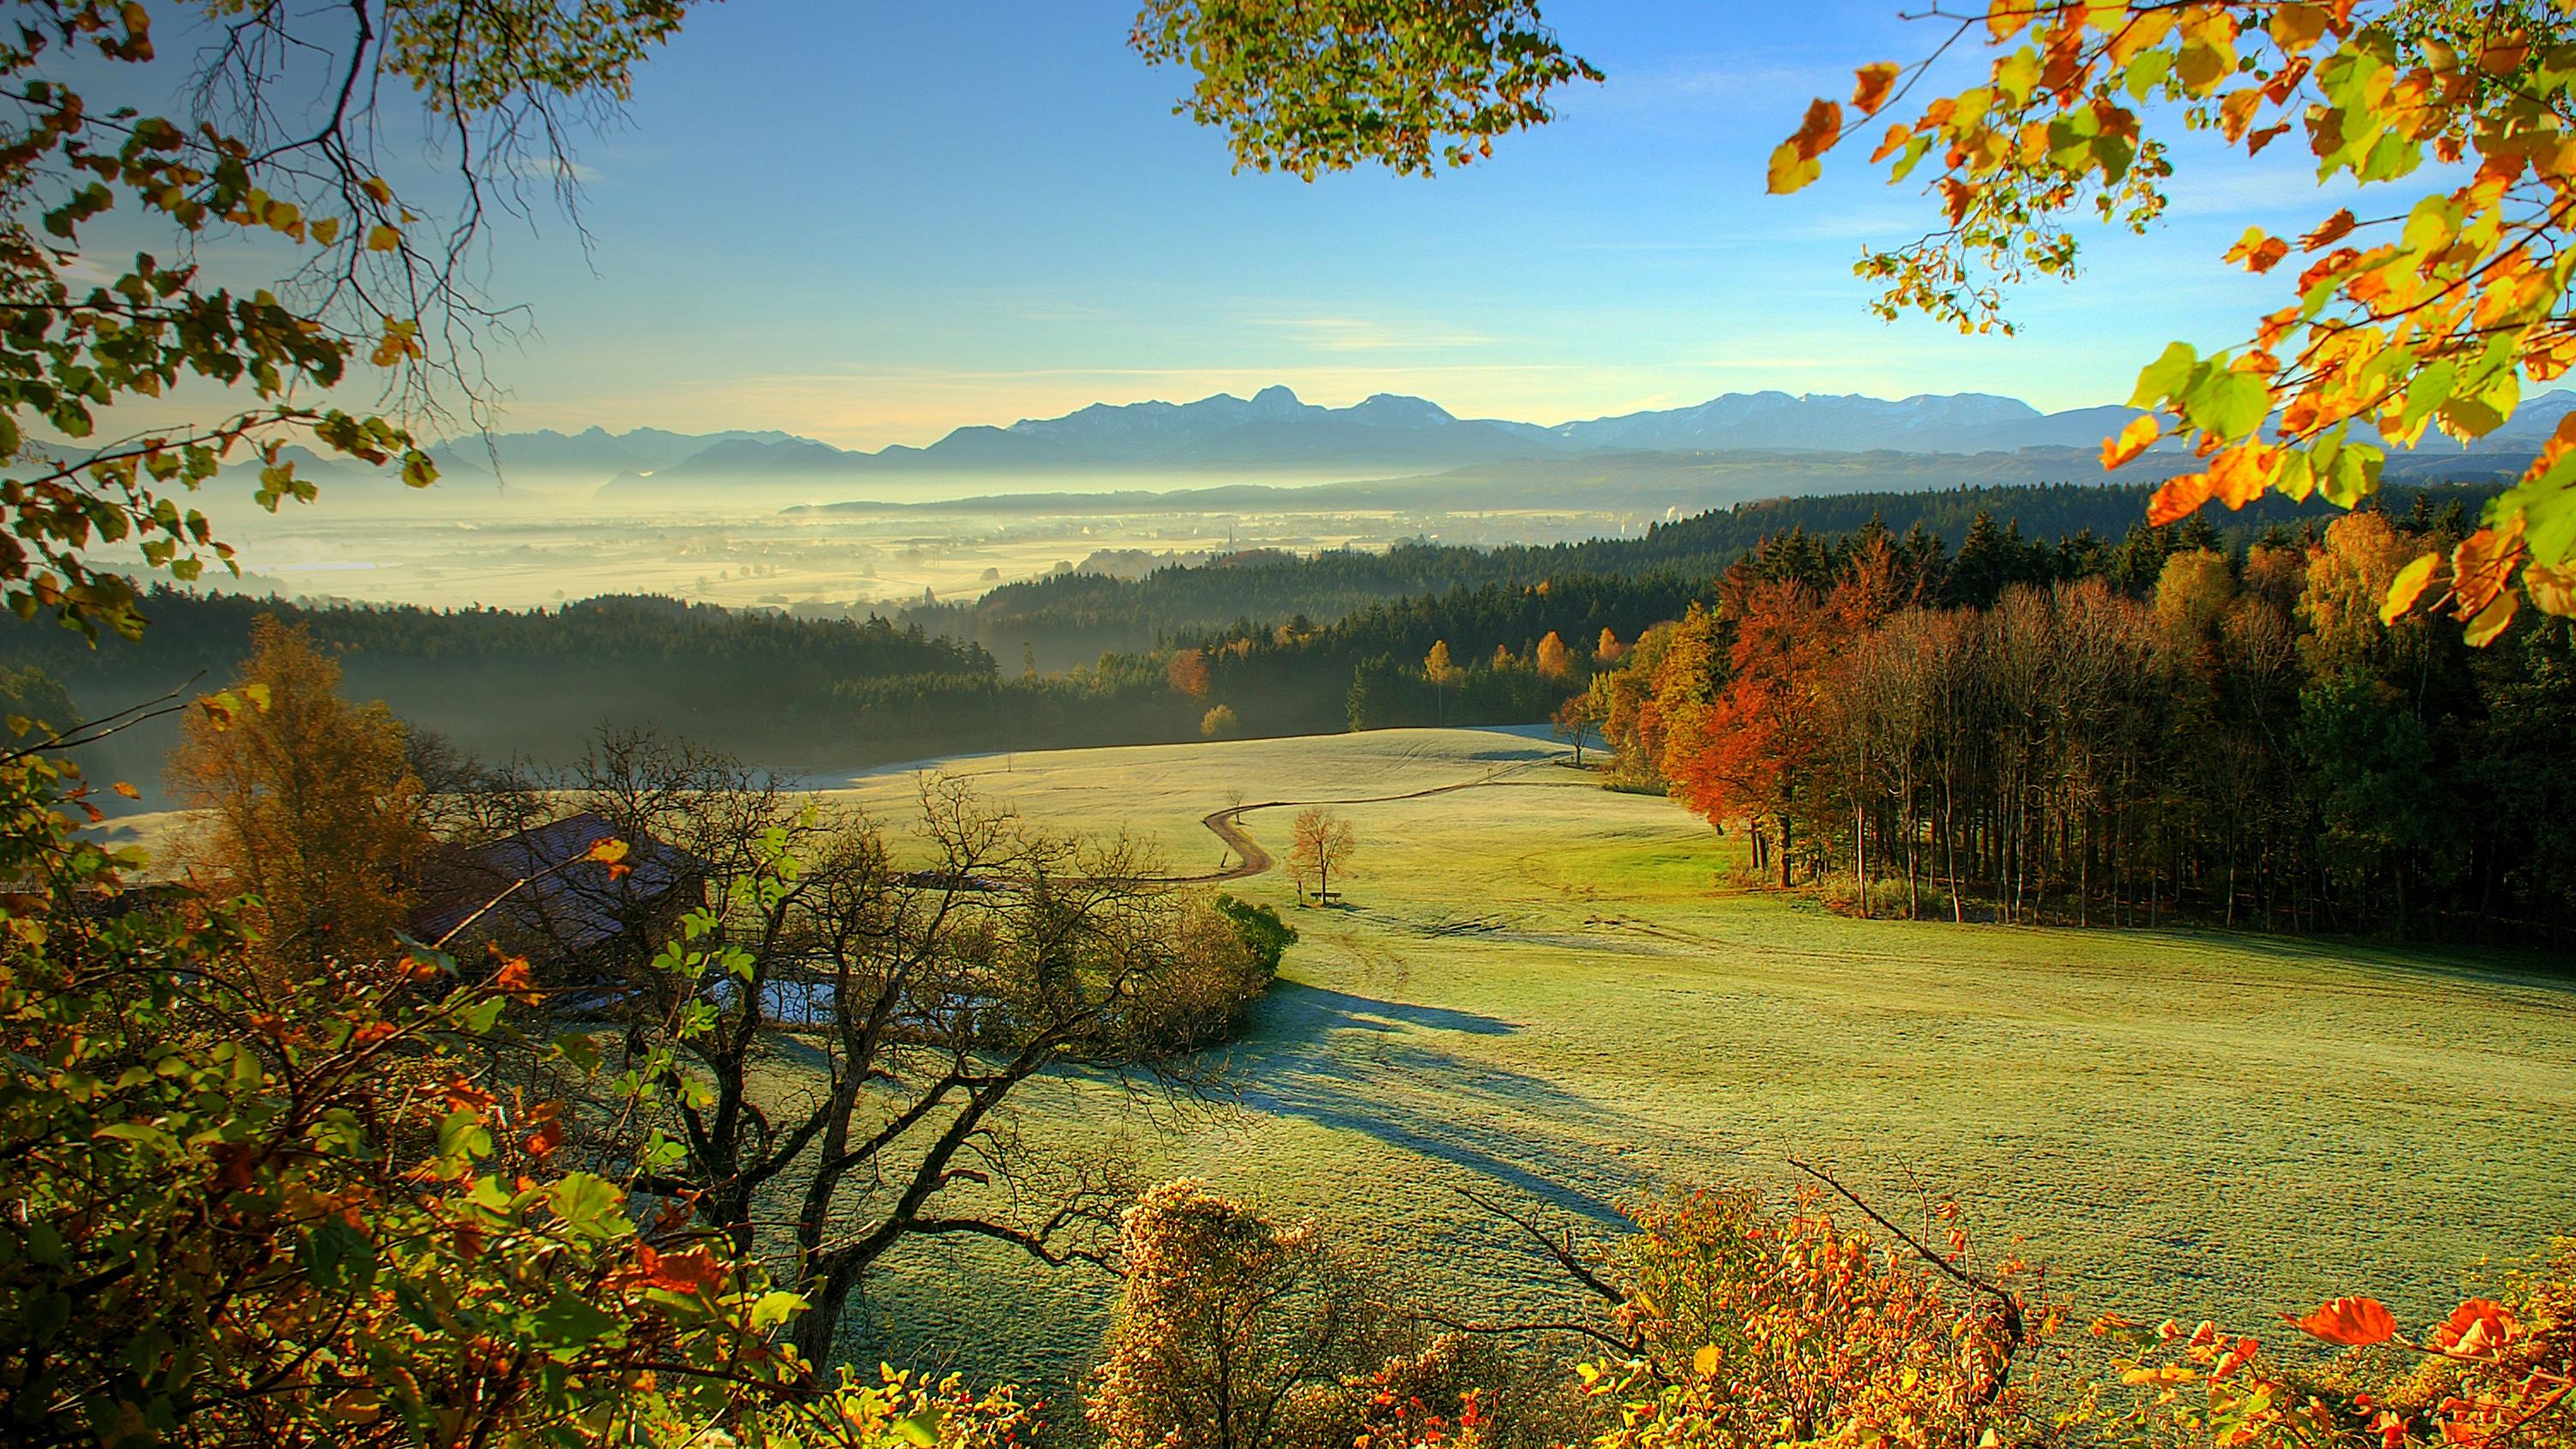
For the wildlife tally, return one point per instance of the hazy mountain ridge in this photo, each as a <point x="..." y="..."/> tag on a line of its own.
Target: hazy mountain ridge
<point x="1805" y="440"/>
<point x="1274" y="430"/>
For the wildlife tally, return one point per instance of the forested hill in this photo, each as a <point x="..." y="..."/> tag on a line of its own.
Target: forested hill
<point x="506" y="682"/>
<point x="1082" y="615"/>
<point x="1290" y="645"/>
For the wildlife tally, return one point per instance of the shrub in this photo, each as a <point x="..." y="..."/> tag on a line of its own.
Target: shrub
<point x="1231" y="1332"/>
<point x="1267" y="936"/>
<point x="1753" y="1327"/>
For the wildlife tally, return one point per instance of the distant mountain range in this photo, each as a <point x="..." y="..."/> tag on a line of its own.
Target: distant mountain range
<point x="1275" y="434"/>
<point x="1273" y="431"/>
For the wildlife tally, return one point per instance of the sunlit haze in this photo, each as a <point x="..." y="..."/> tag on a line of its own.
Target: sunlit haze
<point x="871" y="224"/>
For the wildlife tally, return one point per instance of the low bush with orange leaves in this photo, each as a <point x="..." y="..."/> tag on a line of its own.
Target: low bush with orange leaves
<point x="1755" y="1326"/>
<point x="2496" y="1371"/>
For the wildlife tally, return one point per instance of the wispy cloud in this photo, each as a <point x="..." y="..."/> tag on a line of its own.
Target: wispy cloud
<point x="530" y="167"/>
<point x="1367" y="334"/>
<point x="1702" y="86"/>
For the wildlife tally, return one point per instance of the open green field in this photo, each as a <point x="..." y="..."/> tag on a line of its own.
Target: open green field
<point x="1544" y="989"/>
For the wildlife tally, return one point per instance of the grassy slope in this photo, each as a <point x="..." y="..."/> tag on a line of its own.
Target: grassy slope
<point x="1538" y="987"/>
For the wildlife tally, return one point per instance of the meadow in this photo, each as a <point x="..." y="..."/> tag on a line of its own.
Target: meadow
<point x="1553" y="994"/>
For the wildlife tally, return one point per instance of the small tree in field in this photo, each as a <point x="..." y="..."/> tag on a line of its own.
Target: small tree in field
<point x="1219" y="723"/>
<point x="1320" y="842"/>
<point x="1575" y="720"/>
<point x="308" y="804"/>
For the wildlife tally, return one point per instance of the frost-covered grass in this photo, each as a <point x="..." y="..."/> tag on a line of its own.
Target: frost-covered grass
<point x="1541" y="989"/>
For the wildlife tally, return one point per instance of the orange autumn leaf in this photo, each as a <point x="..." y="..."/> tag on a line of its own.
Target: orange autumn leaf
<point x="2483" y="563"/>
<point x="1873" y="84"/>
<point x="2136" y="438"/>
<point x="611" y="853"/>
<point x="2236" y="111"/>
<point x="2477" y="1327"/>
<point x="2257" y="251"/>
<point x="2505" y="56"/>
<point x="695" y="1271"/>
<point x="2552" y="588"/>
<point x="1956" y="197"/>
<point x="2240" y="475"/>
<point x="2178" y="498"/>
<point x="548" y="1136"/>
<point x="2353" y="1322"/>
<point x="514" y="975"/>
<point x="1817" y="133"/>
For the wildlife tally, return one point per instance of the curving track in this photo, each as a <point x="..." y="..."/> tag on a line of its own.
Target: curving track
<point x="1227" y="824"/>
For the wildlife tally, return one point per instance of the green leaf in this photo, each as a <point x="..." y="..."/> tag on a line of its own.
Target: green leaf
<point x="141" y="1134"/>
<point x="337" y="1257"/>
<point x="462" y="1136"/>
<point x="2165" y="376"/>
<point x="2229" y="403"/>
<point x="590" y="1205"/>
<point x="565" y="1326"/>
<point x="774" y="1308"/>
<point x="579" y="1051"/>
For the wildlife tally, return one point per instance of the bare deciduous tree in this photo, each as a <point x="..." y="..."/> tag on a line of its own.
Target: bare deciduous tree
<point x="1320" y="842"/>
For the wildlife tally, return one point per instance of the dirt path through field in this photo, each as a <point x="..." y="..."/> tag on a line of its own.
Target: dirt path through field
<point x="1227" y="824"/>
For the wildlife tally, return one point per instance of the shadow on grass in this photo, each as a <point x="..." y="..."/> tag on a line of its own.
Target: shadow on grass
<point x="1417" y="1097"/>
<point x="1308" y="1009"/>
<point x="2514" y="966"/>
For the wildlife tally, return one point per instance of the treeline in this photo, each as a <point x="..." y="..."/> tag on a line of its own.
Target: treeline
<point x="506" y="682"/>
<point x="1080" y="616"/>
<point x="2242" y="741"/>
<point x="1509" y="654"/>
<point x="1295" y="677"/>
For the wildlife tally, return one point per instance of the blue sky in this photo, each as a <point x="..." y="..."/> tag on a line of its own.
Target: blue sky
<point x="870" y="223"/>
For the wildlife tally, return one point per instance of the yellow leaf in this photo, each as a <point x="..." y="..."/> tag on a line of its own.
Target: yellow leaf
<point x="2136" y="438"/>
<point x="2407" y="587"/>
<point x="2490" y="621"/>
<point x="2296" y="27"/>
<point x="1704" y="1362"/>
<point x="1790" y="171"/>
<point x="382" y="238"/>
<point x="607" y="851"/>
